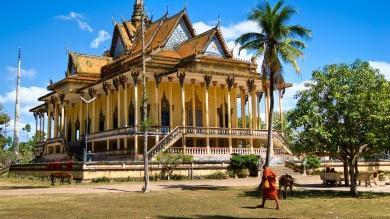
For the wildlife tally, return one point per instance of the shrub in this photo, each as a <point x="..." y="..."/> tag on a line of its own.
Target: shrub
<point x="243" y="173"/>
<point x="312" y="162"/>
<point x="238" y="163"/>
<point x="101" y="180"/>
<point x="170" y="162"/>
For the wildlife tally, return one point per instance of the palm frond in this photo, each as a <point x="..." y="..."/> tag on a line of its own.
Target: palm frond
<point x="249" y="37"/>
<point x="297" y="30"/>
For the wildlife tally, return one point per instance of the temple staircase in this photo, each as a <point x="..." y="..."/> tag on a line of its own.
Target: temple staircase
<point x="166" y="142"/>
<point x="177" y="133"/>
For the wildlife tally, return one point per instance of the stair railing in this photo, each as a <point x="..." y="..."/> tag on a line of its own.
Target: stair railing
<point x="172" y="137"/>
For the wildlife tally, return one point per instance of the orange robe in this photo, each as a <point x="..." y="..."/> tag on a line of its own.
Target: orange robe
<point x="269" y="193"/>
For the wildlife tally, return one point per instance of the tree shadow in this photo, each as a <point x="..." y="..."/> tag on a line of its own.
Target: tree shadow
<point x="212" y="217"/>
<point x="23" y="187"/>
<point x="316" y="193"/>
<point x="195" y="187"/>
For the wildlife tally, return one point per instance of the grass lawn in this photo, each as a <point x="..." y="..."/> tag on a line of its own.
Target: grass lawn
<point x="198" y="202"/>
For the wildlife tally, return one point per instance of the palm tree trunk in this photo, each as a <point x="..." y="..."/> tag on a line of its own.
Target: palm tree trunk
<point x="271" y="109"/>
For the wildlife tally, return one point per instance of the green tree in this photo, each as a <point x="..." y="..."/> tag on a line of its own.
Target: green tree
<point x="278" y="42"/>
<point x="345" y="113"/>
<point x="5" y="154"/>
<point x="27" y="129"/>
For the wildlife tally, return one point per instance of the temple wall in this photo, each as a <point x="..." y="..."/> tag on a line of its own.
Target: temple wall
<point x="115" y="170"/>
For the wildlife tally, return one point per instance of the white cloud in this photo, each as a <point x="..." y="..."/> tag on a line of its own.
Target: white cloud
<point x="79" y="18"/>
<point x="102" y="37"/>
<point x="28" y="73"/>
<point x="231" y="32"/>
<point x="289" y="100"/>
<point x="383" y="67"/>
<point x="28" y="98"/>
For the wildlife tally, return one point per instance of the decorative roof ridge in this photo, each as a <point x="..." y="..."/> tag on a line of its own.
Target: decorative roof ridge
<point x="88" y="55"/>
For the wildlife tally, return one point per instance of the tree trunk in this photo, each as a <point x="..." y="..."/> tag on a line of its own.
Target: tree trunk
<point x="346" y="176"/>
<point x="145" y="111"/>
<point x="271" y="109"/>
<point x="352" y="174"/>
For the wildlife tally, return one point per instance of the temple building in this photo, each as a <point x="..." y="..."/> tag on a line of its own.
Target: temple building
<point x="197" y="96"/>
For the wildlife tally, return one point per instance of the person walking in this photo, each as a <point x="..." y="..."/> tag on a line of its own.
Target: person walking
<point x="268" y="185"/>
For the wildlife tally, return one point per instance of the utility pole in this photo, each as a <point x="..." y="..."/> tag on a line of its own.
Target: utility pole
<point x="145" y="110"/>
<point x="17" y="107"/>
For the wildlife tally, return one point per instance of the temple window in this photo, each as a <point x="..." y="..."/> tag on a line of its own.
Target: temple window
<point x="131" y="114"/>
<point x="165" y="112"/>
<point x="115" y="118"/>
<point x="69" y="134"/>
<point x="102" y="120"/>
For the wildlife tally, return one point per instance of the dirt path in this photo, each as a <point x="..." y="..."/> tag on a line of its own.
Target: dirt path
<point x="305" y="183"/>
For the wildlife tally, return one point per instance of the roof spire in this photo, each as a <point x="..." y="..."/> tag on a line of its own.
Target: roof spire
<point x="138" y="12"/>
<point x="219" y="21"/>
<point x="113" y="20"/>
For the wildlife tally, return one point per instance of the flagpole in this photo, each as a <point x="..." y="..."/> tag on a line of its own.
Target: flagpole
<point x="17" y="108"/>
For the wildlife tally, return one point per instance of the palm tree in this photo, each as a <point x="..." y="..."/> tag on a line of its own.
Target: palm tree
<point x="278" y="42"/>
<point x="27" y="128"/>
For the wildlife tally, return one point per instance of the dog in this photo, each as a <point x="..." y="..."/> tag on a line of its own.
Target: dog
<point x="62" y="176"/>
<point x="286" y="181"/>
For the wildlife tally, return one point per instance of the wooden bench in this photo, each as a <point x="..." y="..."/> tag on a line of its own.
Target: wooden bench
<point x="331" y="178"/>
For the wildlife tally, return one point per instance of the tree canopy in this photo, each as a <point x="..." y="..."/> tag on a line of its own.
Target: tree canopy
<point x="344" y="112"/>
<point x="278" y="42"/>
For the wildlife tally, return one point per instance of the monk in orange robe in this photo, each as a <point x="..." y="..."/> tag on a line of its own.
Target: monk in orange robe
<point x="268" y="184"/>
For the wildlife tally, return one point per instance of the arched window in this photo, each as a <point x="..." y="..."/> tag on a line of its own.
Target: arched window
<point x="198" y="113"/>
<point x="223" y="117"/>
<point x="165" y="112"/>
<point x="131" y="114"/>
<point x="115" y="117"/>
<point x="102" y="120"/>
<point x="69" y="135"/>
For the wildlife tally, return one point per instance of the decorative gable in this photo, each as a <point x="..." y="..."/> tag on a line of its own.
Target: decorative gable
<point x="214" y="48"/>
<point x="119" y="47"/>
<point x="179" y="35"/>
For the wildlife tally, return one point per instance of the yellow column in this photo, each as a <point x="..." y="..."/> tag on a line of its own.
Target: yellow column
<point x="230" y="83"/>
<point x="108" y="116"/>
<point x="48" y="132"/>
<point x="254" y="106"/>
<point x="215" y="104"/>
<point x="207" y="79"/>
<point x="223" y="106"/>
<point x="55" y="121"/>
<point x="126" y="107"/>
<point x="135" y="81"/>
<point x="157" y="104"/>
<point x="170" y="102"/>
<point x="193" y="103"/>
<point x="181" y="77"/>
<point x="81" y="119"/>
<point x="119" y="97"/>
<point x="243" y="113"/>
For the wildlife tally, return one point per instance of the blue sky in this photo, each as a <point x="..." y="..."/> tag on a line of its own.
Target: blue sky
<point x="342" y="32"/>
